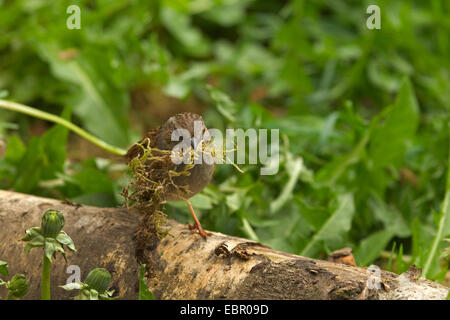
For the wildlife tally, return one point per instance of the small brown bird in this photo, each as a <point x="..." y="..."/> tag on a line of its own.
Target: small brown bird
<point x="184" y="186"/>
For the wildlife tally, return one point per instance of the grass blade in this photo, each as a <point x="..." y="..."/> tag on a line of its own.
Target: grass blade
<point x="443" y="226"/>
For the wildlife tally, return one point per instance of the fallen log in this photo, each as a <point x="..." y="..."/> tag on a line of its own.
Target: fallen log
<point x="185" y="266"/>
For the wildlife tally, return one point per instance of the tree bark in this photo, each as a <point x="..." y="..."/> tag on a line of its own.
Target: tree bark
<point x="184" y="265"/>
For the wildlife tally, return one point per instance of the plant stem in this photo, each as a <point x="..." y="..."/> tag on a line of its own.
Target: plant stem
<point x="294" y="174"/>
<point x="443" y="224"/>
<point x="45" y="281"/>
<point x="444" y="214"/>
<point x="17" y="107"/>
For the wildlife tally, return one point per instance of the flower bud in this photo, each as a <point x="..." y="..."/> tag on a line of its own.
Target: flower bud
<point x="18" y="286"/>
<point x="98" y="279"/>
<point x="52" y="223"/>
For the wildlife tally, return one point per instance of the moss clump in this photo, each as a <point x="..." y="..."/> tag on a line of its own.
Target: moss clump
<point x="152" y="176"/>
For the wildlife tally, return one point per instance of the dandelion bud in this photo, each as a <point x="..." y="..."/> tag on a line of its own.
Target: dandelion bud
<point x="98" y="279"/>
<point x="52" y="223"/>
<point x="18" y="286"/>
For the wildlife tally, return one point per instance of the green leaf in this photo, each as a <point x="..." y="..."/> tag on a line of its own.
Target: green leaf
<point x="331" y="172"/>
<point x="391" y="218"/>
<point x="402" y="266"/>
<point x="380" y="74"/>
<point x="64" y="239"/>
<point x="371" y="247"/>
<point x="92" y="180"/>
<point x="72" y="286"/>
<point x="98" y="199"/>
<point x="35" y="243"/>
<point x="15" y="150"/>
<point x="144" y="293"/>
<point x="98" y="101"/>
<point x="59" y="248"/>
<point x="294" y="166"/>
<point x="179" y="25"/>
<point x="201" y="201"/>
<point x="334" y="227"/>
<point x="249" y="231"/>
<point x="32" y="233"/>
<point x="316" y="216"/>
<point x="4" y="268"/>
<point x="54" y="147"/>
<point x="390" y="137"/>
<point x="177" y="88"/>
<point x="29" y="170"/>
<point x="227" y="14"/>
<point x="93" y="294"/>
<point x="51" y="247"/>
<point x="34" y="239"/>
<point x="389" y="266"/>
<point x="234" y="201"/>
<point x="43" y="158"/>
<point x="224" y="104"/>
<point x="106" y="295"/>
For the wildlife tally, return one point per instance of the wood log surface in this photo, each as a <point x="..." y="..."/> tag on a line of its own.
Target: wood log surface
<point x="184" y="265"/>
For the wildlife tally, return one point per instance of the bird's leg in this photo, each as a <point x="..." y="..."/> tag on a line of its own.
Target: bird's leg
<point x="197" y="224"/>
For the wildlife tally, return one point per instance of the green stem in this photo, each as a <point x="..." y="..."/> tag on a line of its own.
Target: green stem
<point x="45" y="281"/>
<point x="249" y="230"/>
<point x="442" y="226"/>
<point x="294" y="174"/>
<point x="439" y="234"/>
<point x="17" y="107"/>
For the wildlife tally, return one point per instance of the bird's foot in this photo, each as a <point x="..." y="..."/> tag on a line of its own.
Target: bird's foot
<point x="200" y="230"/>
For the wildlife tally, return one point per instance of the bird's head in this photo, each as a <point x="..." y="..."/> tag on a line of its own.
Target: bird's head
<point x="186" y="128"/>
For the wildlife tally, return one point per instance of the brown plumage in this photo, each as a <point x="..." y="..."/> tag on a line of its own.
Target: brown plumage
<point x="183" y="186"/>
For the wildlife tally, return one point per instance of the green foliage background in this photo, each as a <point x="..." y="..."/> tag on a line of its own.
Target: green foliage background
<point x="363" y="114"/>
